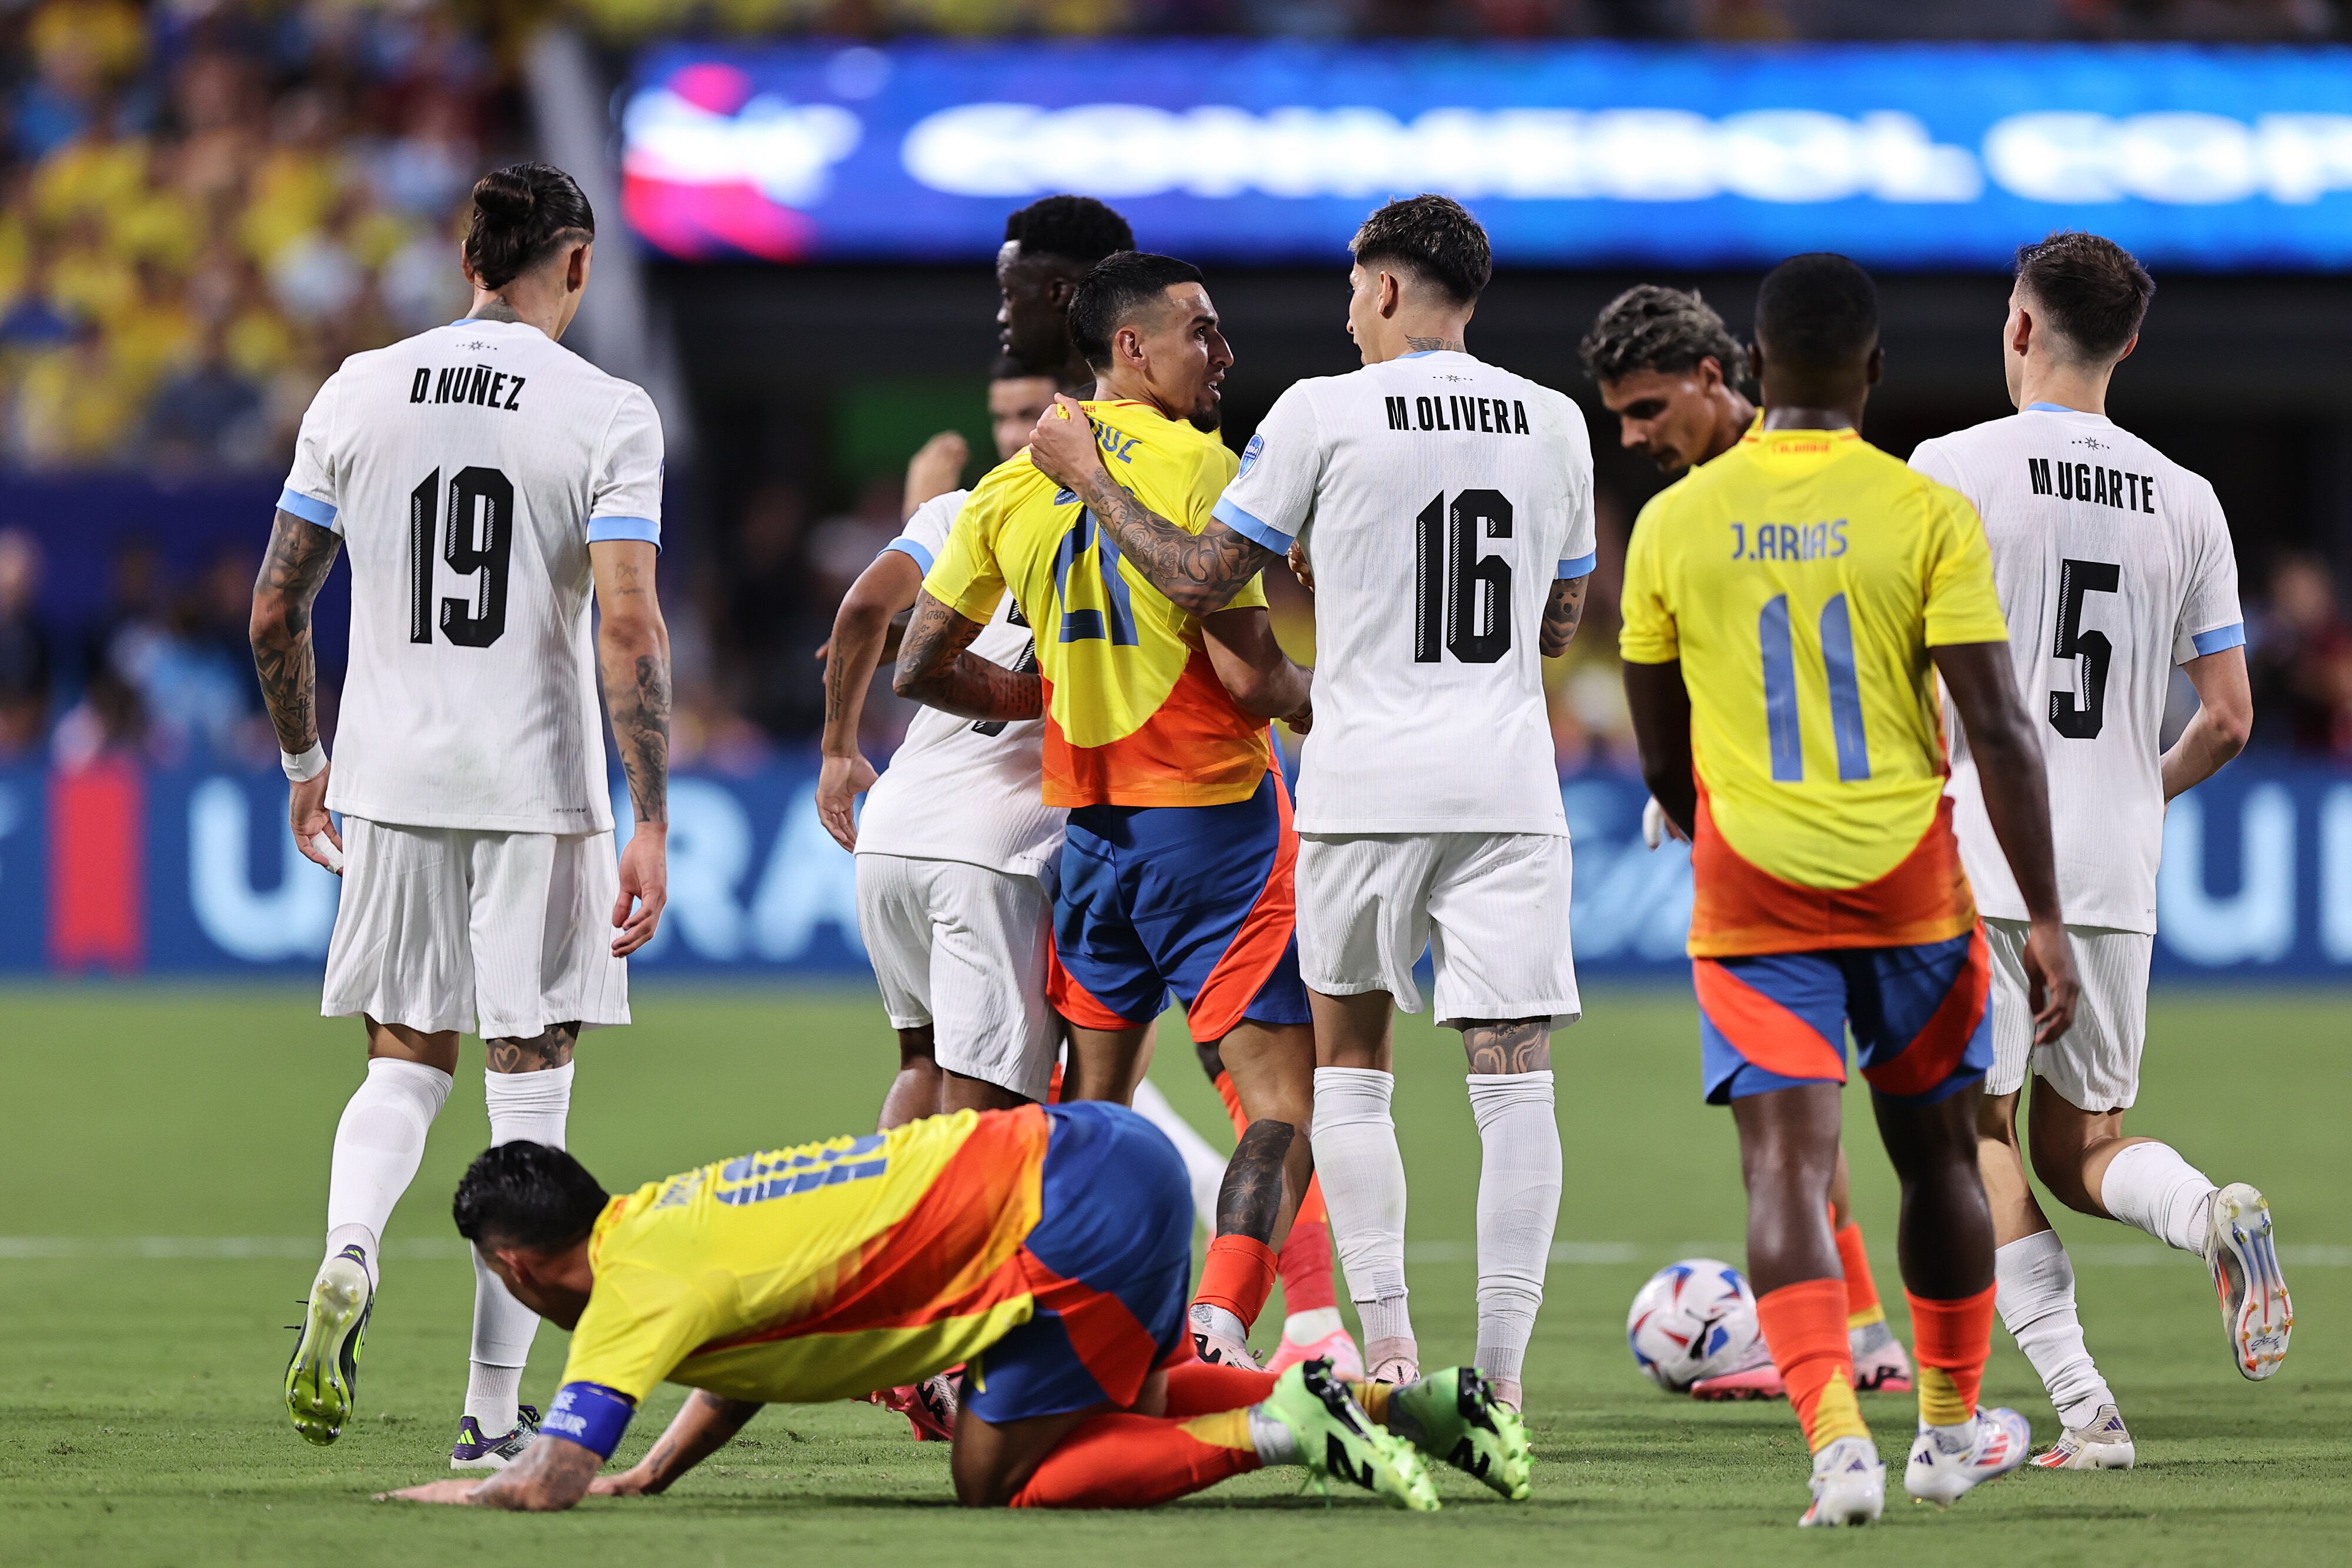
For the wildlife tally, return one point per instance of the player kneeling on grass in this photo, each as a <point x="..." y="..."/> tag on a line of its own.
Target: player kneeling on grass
<point x="1046" y="1247"/>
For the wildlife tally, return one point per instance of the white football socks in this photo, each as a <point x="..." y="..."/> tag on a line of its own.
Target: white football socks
<point x="1518" y="1203"/>
<point x="1363" y="1186"/>
<point x="2150" y="1186"/>
<point x="524" y="1107"/>
<point x="2033" y="1283"/>
<point x="1203" y="1166"/>
<point x="378" y="1143"/>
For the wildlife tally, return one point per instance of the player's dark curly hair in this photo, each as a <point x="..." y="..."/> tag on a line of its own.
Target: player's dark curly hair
<point x="1434" y="237"/>
<point x="522" y="213"/>
<point x="1115" y="292"/>
<point x="1653" y="327"/>
<point x="2092" y="290"/>
<point x="527" y="1195"/>
<point x="1817" y="312"/>
<point x="1075" y="229"/>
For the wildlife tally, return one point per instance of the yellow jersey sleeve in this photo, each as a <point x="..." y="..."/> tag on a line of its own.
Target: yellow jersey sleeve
<point x="1646" y="633"/>
<point x="967" y="577"/>
<point x="1962" y="603"/>
<point x="639" y="1324"/>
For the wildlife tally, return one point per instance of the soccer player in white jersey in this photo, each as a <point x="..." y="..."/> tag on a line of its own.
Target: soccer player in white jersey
<point x="1444" y="510"/>
<point x="953" y="845"/>
<point x="2114" y="565"/>
<point x="487" y="481"/>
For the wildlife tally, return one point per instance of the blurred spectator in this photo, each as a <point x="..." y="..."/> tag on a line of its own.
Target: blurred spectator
<point x="2300" y="660"/>
<point x="210" y="414"/>
<point x="27" y="663"/>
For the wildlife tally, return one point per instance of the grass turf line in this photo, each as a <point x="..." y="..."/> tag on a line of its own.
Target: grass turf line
<point x="140" y="1421"/>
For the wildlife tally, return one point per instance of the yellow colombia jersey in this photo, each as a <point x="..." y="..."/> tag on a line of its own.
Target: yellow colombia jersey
<point x="817" y="1273"/>
<point x="1802" y="578"/>
<point x="1135" y="715"/>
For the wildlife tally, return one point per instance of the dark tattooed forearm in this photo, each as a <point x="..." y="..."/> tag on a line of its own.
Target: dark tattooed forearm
<point x="1252" y="1195"/>
<point x="1563" y="611"/>
<point x="1198" y="572"/>
<point x="642" y="730"/>
<point x="1433" y="345"/>
<point x="284" y="656"/>
<point x="1522" y="1045"/>
<point x="935" y="669"/>
<point x="550" y="1048"/>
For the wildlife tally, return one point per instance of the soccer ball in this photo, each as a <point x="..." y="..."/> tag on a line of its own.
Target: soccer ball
<point x="1694" y="1319"/>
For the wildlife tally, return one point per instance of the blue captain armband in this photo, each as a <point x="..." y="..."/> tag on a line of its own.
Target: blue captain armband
<point x="590" y="1414"/>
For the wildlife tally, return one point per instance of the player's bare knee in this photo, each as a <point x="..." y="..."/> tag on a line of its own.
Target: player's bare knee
<point x="1507" y="1045"/>
<point x="550" y="1049"/>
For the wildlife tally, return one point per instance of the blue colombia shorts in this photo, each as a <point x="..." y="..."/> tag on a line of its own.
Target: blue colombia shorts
<point x="1194" y="899"/>
<point x="1921" y="1025"/>
<point x="1109" y="1266"/>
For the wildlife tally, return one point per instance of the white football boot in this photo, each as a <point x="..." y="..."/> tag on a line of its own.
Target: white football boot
<point x="2102" y="1443"/>
<point x="1220" y="1338"/>
<point x="1941" y="1476"/>
<point x="1848" y="1485"/>
<point x="2255" y="1308"/>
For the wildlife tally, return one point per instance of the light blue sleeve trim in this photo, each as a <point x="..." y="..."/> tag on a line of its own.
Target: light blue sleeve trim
<point x="1581" y="567"/>
<point x="309" y="508"/>
<point x="911" y="549"/>
<point x="2219" y="638"/>
<point x="641" y="528"/>
<point x="1252" y="529"/>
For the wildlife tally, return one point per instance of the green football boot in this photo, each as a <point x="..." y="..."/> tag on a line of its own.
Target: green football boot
<point x="1335" y="1438"/>
<point x="323" y="1376"/>
<point x="1453" y="1415"/>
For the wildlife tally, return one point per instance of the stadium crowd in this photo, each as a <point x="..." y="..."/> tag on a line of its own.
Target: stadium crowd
<point x="205" y="206"/>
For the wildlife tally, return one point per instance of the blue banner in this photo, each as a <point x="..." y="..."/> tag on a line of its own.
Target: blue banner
<point x="193" y="873"/>
<point x="1574" y="154"/>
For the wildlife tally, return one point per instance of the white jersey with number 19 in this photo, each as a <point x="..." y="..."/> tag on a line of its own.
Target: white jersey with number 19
<point x="467" y="469"/>
<point x="1439" y="498"/>
<point x="2113" y="564"/>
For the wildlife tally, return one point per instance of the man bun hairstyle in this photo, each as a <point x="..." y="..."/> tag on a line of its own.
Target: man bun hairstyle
<point x="2092" y="291"/>
<point x="529" y="1195"/>
<point x="522" y="215"/>
<point x="1432" y="237"/>
<point x="1115" y="292"/>
<point x="1652" y="328"/>
<point x="1075" y="229"/>
<point x="1817" y="312"/>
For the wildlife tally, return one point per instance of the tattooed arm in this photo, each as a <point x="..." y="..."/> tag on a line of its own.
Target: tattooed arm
<point x="1198" y="572"/>
<point x="1563" y="611"/>
<point x="935" y="669"/>
<point x="1520" y="1045"/>
<point x="286" y="659"/>
<point x="861" y="630"/>
<point x="703" y="1424"/>
<point x="633" y="656"/>
<point x="552" y="1474"/>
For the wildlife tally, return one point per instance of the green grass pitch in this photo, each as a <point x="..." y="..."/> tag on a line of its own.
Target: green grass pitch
<point x="140" y="1422"/>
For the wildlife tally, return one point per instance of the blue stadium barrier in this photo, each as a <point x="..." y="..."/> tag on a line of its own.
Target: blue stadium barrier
<point x="190" y="872"/>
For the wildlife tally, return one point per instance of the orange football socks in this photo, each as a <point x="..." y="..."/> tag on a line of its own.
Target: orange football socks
<point x="1950" y="1341"/>
<point x="1863" y="1307"/>
<point x="1238" y="1275"/>
<point x="1805" y="1325"/>
<point x="1306" y="1259"/>
<point x="1197" y="1387"/>
<point x="1135" y="1461"/>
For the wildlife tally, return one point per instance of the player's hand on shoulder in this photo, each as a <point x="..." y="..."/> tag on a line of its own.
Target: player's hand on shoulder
<point x="1300" y="568"/>
<point x="1062" y="444"/>
<point x="315" y="833"/>
<point x="936" y="468"/>
<point x="839" y="781"/>
<point x="645" y="885"/>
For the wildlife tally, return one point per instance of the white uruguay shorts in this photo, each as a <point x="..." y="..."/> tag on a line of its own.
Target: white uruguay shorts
<point x="456" y="928"/>
<point x="2096" y="1064"/>
<point x="1491" y="909"/>
<point x="962" y="949"/>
